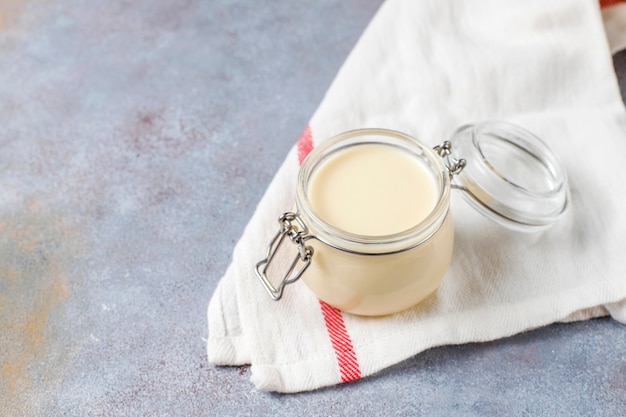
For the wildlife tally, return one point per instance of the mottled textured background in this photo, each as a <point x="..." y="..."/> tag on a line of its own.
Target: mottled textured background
<point x="136" y="138"/>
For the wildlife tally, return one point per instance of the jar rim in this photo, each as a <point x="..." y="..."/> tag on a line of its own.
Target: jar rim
<point x="366" y="244"/>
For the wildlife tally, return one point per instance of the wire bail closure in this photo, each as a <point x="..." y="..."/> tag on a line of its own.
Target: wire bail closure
<point x="292" y="227"/>
<point x="455" y="166"/>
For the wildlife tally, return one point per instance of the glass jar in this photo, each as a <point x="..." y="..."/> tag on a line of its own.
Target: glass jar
<point x="383" y="259"/>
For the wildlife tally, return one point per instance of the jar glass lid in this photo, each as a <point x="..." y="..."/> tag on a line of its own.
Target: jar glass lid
<point x="509" y="175"/>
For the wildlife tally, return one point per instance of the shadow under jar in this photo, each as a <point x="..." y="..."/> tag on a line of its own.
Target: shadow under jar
<point x="372" y="224"/>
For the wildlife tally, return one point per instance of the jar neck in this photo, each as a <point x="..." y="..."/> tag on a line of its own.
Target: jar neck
<point x="340" y="239"/>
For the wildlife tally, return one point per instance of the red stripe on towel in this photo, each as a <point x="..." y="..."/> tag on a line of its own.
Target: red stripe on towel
<point x="347" y="362"/>
<point x="342" y="344"/>
<point x="305" y="144"/>
<point x="609" y="3"/>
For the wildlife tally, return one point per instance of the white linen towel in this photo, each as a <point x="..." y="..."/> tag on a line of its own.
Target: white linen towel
<point x="425" y="68"/>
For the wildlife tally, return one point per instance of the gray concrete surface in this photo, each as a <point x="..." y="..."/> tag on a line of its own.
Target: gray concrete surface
<point x="136" y="138"/>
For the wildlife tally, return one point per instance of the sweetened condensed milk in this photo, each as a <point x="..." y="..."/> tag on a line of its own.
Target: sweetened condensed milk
<point x="372" y="190"/>
<point x="392" y="240"/>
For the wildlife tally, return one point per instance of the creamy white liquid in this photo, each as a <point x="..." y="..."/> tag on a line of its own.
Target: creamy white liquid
<point x="372" y="190"/>
<point x="377" y="190"/>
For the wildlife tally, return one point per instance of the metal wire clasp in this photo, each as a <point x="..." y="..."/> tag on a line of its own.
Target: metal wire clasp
<point x="455" y="166"/>
<point x="291" y="227"/>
